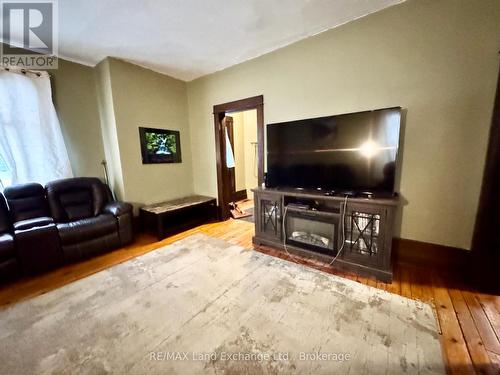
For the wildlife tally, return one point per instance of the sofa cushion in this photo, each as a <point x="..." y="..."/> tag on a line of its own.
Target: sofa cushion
<point x="77" y="203"/>
<point x="6" y="246"/>
<point x="86" y="229"/>
<point x="31" y="223"/>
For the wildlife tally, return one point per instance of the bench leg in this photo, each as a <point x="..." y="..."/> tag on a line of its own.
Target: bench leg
<point x="159" y="228"/>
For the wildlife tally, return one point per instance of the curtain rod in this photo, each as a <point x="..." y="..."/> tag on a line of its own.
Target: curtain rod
<point x="24" y="71"/>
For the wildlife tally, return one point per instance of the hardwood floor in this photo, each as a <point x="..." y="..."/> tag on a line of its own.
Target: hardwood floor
<point x="469" y="321"/>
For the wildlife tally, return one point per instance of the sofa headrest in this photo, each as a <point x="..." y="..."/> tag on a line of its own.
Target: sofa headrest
<point x="76" y="198"/>
<point x="24" y="191"/>
<point x="26" y="201"/>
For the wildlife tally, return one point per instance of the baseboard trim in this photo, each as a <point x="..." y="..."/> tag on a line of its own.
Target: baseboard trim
<point x="240" y="195"/>
<point x="424" y="254"/>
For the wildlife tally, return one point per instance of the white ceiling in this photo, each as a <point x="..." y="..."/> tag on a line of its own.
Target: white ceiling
<point x="187" y="39"/>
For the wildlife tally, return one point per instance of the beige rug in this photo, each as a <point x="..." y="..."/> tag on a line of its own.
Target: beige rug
<point x="202" y="305"/>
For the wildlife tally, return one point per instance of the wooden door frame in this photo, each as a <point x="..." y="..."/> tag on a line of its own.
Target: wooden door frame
<point x="255" y="102"/>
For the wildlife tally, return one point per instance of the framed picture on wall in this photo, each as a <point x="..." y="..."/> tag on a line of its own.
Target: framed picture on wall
<point x="160" y="146"/>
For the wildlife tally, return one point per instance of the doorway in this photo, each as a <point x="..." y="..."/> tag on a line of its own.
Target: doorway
<point x="239" y="141"/>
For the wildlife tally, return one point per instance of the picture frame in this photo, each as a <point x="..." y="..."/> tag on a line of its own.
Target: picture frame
<point x="160" y="145"/>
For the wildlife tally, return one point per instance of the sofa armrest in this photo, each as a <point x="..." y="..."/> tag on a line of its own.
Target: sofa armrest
<point x="123" y="213"/>
<point x="118" y="208"/>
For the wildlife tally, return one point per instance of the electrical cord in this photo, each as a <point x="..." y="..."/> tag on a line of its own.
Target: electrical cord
<point x="343" y="231"/>
<point x="283" y="222"/>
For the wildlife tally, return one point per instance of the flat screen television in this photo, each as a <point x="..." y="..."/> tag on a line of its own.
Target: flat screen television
<point x="355" y="152"/>
<point x="160" y="146"/>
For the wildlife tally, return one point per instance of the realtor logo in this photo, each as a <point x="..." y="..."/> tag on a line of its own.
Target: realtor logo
<point x="29" y="33"/>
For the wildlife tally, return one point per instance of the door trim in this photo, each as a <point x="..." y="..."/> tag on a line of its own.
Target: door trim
<point x="219" y="111"/>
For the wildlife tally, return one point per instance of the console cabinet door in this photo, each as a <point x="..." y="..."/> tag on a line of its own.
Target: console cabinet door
<point x="268" y="222"/>
<point x="365" y="232"/>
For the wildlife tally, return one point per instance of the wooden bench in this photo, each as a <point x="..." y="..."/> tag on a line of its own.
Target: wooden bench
<point x="167" y="218"/>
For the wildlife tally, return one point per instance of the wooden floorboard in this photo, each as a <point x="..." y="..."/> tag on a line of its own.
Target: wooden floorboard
<point x="477" y="351"/>
<point x="456" y="353"/>
<point x="405" y="282"/>
<point x="495" y="361"/>
<point x="482" y="322"/>
<point x="491" y="310"/>
<point x="469" y="321"/>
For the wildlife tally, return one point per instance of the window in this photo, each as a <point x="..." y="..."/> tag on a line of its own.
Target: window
<point x="31" y="143"/>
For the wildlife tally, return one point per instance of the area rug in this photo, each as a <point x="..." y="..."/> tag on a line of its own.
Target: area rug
<point x="202" y="305"/>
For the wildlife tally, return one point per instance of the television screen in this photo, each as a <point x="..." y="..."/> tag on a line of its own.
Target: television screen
<point x="160" y="146"/>
<point x="352" y="152"/>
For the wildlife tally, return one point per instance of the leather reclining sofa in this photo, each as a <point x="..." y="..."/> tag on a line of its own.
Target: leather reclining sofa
<point x="9" y="264"/>
<point x="68" y="220"/>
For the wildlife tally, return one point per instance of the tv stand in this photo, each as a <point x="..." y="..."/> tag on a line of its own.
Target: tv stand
<point x="309" y="224"/>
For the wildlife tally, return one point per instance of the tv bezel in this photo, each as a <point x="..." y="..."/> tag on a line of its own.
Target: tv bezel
<point x="360" y="191"/>
<point x="146" y="158"/>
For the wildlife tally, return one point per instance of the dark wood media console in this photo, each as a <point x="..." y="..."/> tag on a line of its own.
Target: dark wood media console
<point x="312" y="224"/>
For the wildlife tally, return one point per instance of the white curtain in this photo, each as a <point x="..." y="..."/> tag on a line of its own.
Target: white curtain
<point x="31" y="141"/>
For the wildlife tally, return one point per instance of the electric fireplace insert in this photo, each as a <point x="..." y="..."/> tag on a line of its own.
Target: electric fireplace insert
<point x="312" y="229"/>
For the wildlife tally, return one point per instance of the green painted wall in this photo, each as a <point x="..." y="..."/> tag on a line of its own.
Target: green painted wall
<point x="141" y="97"/>
<point x="438" y="59"/>
<point x="74" y="95"/>
<point x="109" y="132"/>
